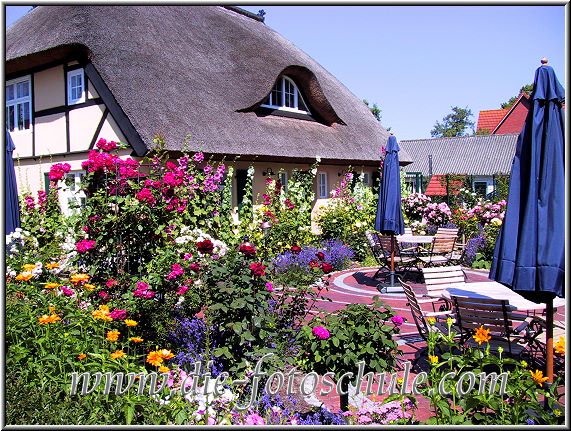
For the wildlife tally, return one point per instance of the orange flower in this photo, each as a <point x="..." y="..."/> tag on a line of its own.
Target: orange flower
<point x="102" y="314"/>
<point x="24" y="276"/>
<point x="155" y="358"/>
<point x="45" y="319"/>
<point x="81" y="356"/>
<point x="28" y="267"/>
<point x="52" y="265"/>
<point x="136" y="339"/>
<point x="537" y="377"/>
<point x="560" y="346"/>
<point x="52" y="309"/>
<point x="79" y="278"/>
<point x="482" y="335"/>
<point x="51" y="285"/>
<point x="163" y="369"/>
<point x="113" y="336"/>
<point x="89" y="286"/>
<point x="130" y="322"/>
<point x="166" y="354"/>
<point x="117" y="354"/>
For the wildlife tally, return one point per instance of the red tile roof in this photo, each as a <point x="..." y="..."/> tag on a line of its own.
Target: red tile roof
<point x="490" y="119"/>
<point x="435" y="186"/>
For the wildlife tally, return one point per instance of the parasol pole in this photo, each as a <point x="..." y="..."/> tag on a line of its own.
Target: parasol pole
<point x="549" y="336"/>
<point x="392" y="260"/>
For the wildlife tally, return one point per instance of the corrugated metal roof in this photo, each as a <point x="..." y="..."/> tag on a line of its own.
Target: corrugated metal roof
<point x="470" y="155"/>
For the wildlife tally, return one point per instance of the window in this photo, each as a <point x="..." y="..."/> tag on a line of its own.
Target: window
<point x="19" y="104"/>
<point x="282" y="176"/>
<point x="481" y="188"/>
<point x="75" y="87"/>
<point x="323" y="185"/>
<point x="72" y="197"/>
<point x="286" y="96"/>
<point x="366" y="179"/>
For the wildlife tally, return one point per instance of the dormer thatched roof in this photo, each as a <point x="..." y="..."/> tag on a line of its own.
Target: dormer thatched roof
<point x="202" y="70"/>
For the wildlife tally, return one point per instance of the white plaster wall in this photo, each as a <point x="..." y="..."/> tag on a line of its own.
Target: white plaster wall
<point x="82" y="125"/>
<point x="50" y="134"/>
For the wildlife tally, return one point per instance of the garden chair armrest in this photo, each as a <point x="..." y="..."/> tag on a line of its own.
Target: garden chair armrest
<point x="438" y="313"/>
<point x="428" y="300"/>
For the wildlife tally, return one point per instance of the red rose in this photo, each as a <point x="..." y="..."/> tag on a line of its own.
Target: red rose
<point x="247" y="249"/>
<point x="326" y="267"/>
<point x="313" y="264"/>
<point x="205" y="247"/>
<point x="295" y="249"/>
<point x="258" y="269"/>
<point x="194" y="267"/>
<point x="320" y="255"/>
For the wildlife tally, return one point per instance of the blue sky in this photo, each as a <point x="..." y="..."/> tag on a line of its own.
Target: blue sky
<point x="416" y="62"/>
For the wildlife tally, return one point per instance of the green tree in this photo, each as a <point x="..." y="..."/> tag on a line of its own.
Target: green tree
<point x="528" y="88"/>
<point x="376" y="111"/>
<point x="454" y="124"/>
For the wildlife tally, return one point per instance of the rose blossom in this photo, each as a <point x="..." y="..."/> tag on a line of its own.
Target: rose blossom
<point x="397" y="320"/>
<point x="205" y="247"/>
<point x="295" y="249"/>
<point x="258" y="269"/>
<point x="247" y="249"/>
<point x="326" y="267"/>
<point x="117" y="314"/>
<point x="320" y="332"/>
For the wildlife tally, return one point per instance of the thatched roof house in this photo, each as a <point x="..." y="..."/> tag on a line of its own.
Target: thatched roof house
<point x="204" y="70"/>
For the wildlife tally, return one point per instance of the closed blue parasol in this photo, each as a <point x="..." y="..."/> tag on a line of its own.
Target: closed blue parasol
<point x="11" y="189"/>
<point x="389" y="219"/>
<point x="530" y="249"/>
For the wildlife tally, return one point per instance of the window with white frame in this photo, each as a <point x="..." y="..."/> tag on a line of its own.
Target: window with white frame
<point x="286" y="96"/>
<point x="75" y="87"/>
<point x="322" y="185"/>
<point x="19" y="104"/>
<point x="72" y="198"/>
<point x="282" y="176"/>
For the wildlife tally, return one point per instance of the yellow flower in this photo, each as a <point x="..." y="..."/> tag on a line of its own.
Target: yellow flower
<point x="24" y="276"/>
<point x="431" y="320"/>
<point x="557" y="413"/>
<point x="45" y="319"/>
<point x="560" y="346"/>
<point x="130" y="322"/>
<point x="28" y="267"/>
<point x="524" y="364"/>
<point x="400" y="380"/>
<point x="52" y="265"/>
<point x="433" y="359"/>
<point x="136" y="339"/>
<point x="537" y="377"/>
<point x="117" y="354"/>
<point x="102" y="314"/>
<point x="167" y="354"/>
<point x="79" y="278"/>
<point x="81" y="356"/>
<point x="113" y="336"/>
<point x="449" y="321"/>
<point x="52" y="309"/>
<point x="164" y="369"/>
<point x="89" y="286"/>
<point x="482" y="335"/>
<point x="51" y="285"/>
<point x="155" y="358"/>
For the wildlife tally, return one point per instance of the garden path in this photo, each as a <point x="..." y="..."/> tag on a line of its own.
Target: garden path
<point x="358" y="286"/>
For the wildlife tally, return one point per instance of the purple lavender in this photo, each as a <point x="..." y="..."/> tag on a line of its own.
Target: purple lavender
<point x="335" y="253"/>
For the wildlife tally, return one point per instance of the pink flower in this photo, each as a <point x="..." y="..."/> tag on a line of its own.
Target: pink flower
<point x="176" y="271"/>
<point x="254" y="419"/>
<point x="103" y="295"/>
<point x="85" y="245"/>
<point x="58" y="171"/>
<point x="320" y="332"/>
<point x="145" y="195"/>
<point x="182" y="290"/>
<point x="258" y="269"/>
<point x="397" y="320"/>
<point x="187" y="256"/>
<point x="111" y="283"/>
<point x="198" y="157"/>
<point x="67" y="291"/>
<point x="117" y="314"/>
<point x="269" y="286"/>
<point x="103" y="145"/>
<point x="194" y="267"/>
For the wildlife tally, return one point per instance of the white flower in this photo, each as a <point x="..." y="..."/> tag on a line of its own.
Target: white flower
<point x="251" y="171"/>
<point x="318" y="159"/>
<point x="314" y="171"/>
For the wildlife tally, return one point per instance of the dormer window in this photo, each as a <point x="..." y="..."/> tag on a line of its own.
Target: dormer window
<point x="286" y="96"/>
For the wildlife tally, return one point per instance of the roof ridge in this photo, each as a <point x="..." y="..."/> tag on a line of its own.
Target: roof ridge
<point x="245" y="12"/>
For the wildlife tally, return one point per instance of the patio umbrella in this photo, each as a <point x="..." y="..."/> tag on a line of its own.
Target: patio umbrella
<point x="11" y="189"/>
<point x="530" y="250"/>
<point x="389" y="218"/>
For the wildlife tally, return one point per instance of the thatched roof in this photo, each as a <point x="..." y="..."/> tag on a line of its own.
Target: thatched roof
<point x="202" y="70"/>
